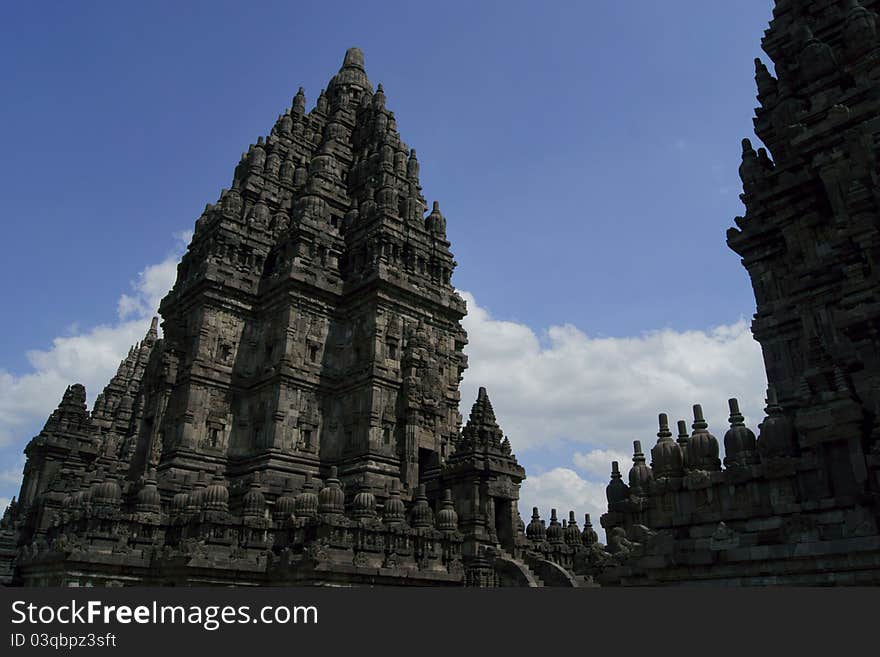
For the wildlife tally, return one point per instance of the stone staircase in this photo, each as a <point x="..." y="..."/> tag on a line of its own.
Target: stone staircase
<point x="534" y="580"/>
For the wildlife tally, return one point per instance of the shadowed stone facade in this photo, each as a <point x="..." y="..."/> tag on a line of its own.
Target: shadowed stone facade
<point x="798" y="504"/>
<point x="297" y="423"/>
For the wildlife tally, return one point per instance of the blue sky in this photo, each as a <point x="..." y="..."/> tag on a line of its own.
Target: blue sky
<point x="585" y="154"/>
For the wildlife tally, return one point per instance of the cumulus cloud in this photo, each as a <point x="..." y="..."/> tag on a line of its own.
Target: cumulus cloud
<point x="595" y="462"/>
<point x="605" y="392"/>
<point x="88" y="356"/>
<point x="595" y="395"/>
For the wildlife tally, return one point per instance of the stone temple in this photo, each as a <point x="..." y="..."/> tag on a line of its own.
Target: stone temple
<point x="298" y="423"/>
<point x="801" y="503"/>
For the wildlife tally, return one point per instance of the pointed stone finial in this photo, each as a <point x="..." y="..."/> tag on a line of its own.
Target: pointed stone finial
<point x="299" y="102"/>
<point x="683" y="435"/>
<point x="421" y="514"/>
<point x="354" y="58"/>
<point x="765" y="82"/>
<point x="739" y="441"/>
<point x="393" y="511"/>
<point x="736" y="418"/>
<point x="640" y="474"/>
<point x="447" y="518"/>
<point x="412" y="166"/>
<point x="535" y="529"/>
<point x="700" y="423"/>
<point x="702" y="448"/>
<point x="778" y="436"/>
<point x="436" y="222"/>
<point x="638" y="455"/>
<point x="321" y="105"/>
<point x="760" y="67"/>
<point x="664" y="433"/>
<point x="666" y="455"/>
<point x="555" y="533"/>
<point x="749" y="170"/>
<point x="379" y="97"/>
<point x="331" y="498"/>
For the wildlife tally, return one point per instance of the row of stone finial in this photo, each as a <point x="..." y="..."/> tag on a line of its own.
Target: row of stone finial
<point x="564" y="533"/>
<point x="700" y="450"/>
<point x="312" y="502"/>
<point x="99" y="488"/>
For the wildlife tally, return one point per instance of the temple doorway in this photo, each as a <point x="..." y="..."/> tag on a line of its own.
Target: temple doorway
<point x="504" y="523"/>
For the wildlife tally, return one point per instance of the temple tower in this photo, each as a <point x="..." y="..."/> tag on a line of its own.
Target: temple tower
<point x="313" y="321"/>
<point x="810" y="237"/>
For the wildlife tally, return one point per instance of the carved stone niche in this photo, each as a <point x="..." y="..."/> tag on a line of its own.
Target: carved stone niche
<point x="308" y="437"/>
<point x="215" y="434"/>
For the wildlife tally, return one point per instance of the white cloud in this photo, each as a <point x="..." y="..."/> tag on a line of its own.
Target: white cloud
<point x="564" y="490"/>
<point x="596" y="463"/>
<point x="606" y="392"/>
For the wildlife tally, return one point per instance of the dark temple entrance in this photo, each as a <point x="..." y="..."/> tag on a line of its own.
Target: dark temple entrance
<point x="504" y="523"/>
